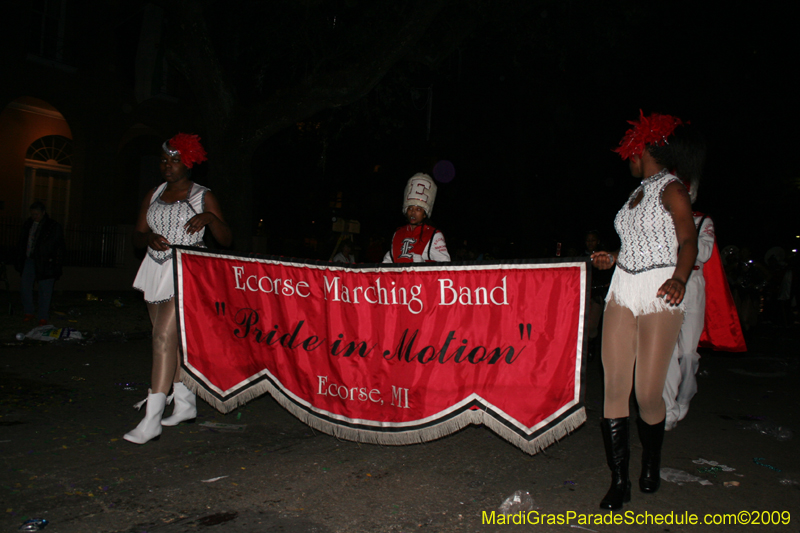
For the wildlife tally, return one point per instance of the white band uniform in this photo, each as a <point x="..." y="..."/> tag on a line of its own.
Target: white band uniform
<point x="648" y="251"/>
<point x="154" y="277"/>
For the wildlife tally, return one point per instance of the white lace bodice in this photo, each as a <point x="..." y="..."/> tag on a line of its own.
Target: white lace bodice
<point x="647" y="231"/>
<point x="168" y="220"/>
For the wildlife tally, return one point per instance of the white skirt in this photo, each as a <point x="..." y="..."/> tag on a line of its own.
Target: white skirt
<point x="155" y="281"/>
<point x="638" y="292"/>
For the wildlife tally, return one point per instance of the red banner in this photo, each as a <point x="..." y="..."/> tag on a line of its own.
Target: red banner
<point x="389" y="354"/>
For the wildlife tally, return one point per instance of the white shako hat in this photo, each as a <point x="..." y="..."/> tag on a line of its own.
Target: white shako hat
<point x="421" y="191"/>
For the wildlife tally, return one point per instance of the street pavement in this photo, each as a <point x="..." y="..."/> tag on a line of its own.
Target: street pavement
<point x="65" y="406"/>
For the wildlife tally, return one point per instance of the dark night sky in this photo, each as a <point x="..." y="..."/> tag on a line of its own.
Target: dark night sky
<point x="530" y="120"/>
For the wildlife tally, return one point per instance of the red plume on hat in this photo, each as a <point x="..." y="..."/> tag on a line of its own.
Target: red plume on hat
<point x="189" y="147"/>
<point x="651" y="129"/>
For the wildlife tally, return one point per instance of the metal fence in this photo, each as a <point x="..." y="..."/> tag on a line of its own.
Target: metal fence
<point x="86" y="245"/>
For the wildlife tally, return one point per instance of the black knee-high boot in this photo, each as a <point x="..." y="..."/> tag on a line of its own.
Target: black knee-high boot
<point x="652" y="438"/>
<point x="616" y="437"/>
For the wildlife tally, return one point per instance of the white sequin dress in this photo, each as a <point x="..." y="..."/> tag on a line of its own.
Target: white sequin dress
<point x="155" y="277"/>
<point x="649" y="249"/>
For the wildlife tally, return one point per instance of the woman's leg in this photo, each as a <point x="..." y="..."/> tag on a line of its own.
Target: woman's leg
<point x="619" y="357"/>
<point x="657" y="335"/>
<point x="176" y="377"/>
<point x="185" y="409"/>
<point x="165" y="345"/>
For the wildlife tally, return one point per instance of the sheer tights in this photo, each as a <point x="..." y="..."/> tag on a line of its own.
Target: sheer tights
<point x="637" y="350"/>
<point x="166" y="369"/>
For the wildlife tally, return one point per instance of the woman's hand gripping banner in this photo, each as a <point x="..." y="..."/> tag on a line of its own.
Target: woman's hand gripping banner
<point x="391" y="354"/>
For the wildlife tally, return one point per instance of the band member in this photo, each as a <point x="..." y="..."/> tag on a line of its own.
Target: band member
<point x="681" y="384"/>
<point x="418" y="241"/>
<point x="644" y="309"/>
<point x="176" y="212"/>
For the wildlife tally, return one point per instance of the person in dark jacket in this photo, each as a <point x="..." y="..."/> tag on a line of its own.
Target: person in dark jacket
<point x="40" y="256"/>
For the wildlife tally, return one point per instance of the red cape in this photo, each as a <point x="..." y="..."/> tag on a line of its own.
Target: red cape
<point x="722" y="330"/>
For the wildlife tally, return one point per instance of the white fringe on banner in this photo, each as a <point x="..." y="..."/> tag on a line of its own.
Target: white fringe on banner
<point x="224" y="407"/>
<point x="555" y="433"/>
<point x="412" y="436"/>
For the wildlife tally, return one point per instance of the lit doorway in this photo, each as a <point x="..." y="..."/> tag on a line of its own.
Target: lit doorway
<point x="48" y="165"/>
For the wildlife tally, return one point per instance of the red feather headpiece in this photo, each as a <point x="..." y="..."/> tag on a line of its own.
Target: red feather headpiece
<point x="189" y="147"/>
<point x="652" y="129"/>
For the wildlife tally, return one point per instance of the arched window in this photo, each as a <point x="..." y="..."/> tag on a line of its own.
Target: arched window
<point x="48" y="164"/>
<point x="51" y="149"/>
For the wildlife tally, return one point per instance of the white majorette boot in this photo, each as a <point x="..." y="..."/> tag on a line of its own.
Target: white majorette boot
<point x="185" y="409"/>
<point x="150" y="426"/>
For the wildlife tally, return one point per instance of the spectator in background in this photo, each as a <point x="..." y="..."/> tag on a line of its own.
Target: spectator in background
<point x="39" y="259"/>
<point x="345" y="254"/>
<point x="747" y="279"/>
<point x="374" y="252"/>
<point x="777" y="288"/>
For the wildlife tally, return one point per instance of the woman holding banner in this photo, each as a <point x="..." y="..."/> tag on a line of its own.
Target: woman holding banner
<point x="177" y="212"/>
<point x="644" y="306"/>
